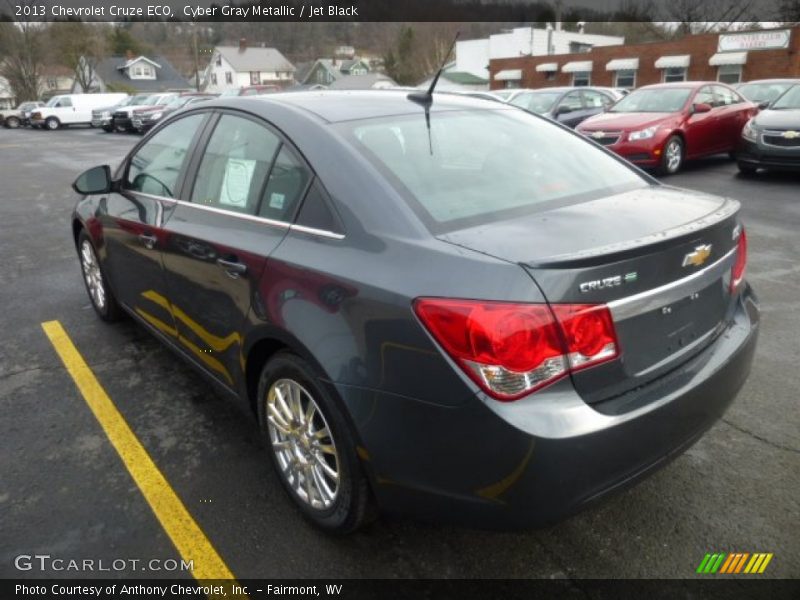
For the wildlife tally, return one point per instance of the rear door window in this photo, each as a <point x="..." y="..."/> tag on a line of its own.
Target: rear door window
<point x="235" y="165"/>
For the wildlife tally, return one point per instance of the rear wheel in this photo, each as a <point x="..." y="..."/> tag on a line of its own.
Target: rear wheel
<point x="103" y="300"/>
<point x="108" y="128"/>
<point x="52" y="123"/>
<point x="672" y="157"/>
<point x="310" y="445"/>
<point x="12" y="122"/>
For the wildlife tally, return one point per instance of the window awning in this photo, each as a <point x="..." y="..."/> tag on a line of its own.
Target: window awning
<point x="622" y="64"/>
<point x="508" y="75"/>
<point x="669" y="62"/>
<point x="577" y="66"/>
<point x="547" y="67"/>
<point x="728" y="58"/>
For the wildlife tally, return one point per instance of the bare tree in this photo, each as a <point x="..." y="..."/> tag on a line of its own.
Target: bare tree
<point x="79" y="46"/>
<point x="704" y="16"/>
<point x="789" y="11"/>
<point x="23" y="51"/>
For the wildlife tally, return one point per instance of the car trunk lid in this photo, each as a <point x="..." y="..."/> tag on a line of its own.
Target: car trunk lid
<point x="659" y="258"/>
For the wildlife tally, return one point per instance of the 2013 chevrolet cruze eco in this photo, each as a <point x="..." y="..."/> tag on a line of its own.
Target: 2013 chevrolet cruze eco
<point x="456" y="310"/>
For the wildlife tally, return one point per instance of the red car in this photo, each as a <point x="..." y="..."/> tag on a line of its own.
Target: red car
<point x="660" y="126"/>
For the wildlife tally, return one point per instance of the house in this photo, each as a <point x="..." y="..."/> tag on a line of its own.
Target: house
<point x="452" y="80"/>
<point x="232" y="67"/>
<point x="366" y="81"/>
<point x="6" y="94"/>
<point x="136" y="74"/>
<point x="324" y="71"/>
<point x="54" y="80"/>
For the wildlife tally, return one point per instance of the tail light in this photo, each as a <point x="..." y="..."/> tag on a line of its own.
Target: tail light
<point x="511" y="350"/>
<point x="739" y="267"/>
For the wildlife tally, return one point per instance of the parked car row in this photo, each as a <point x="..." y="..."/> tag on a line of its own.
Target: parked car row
<point x="661" y="126"/>
<point x="110" y="112"/>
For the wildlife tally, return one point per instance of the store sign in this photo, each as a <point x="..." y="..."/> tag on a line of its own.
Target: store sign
<point x="754" y="40"/>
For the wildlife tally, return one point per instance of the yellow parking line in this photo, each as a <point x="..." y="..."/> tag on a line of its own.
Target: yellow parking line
<point x="189" y="539"/>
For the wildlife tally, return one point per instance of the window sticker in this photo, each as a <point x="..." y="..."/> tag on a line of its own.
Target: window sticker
<point x="236" y="183"/>
<point x="276" y="200"/>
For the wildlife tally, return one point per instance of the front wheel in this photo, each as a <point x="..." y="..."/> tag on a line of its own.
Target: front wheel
<point x="52" y="123"/>
<point x="310" y="445"/>
<point x="672" y="157"/>
<point x="12" y="122"/>
<point x="103" y="300"/>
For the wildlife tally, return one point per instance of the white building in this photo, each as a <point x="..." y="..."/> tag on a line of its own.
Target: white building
<point x="6" y="94"/>
<point x="233" y="67"/>
<point x="473" y="56"/>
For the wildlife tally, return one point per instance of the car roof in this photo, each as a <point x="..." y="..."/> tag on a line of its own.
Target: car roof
<point x="350" y="105"/>
<point x="680" y="84"/>
<point x="775" y="80"/>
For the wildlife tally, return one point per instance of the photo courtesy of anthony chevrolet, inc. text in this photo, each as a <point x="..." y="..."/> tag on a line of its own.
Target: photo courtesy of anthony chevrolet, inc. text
<point x="367" y="299"/>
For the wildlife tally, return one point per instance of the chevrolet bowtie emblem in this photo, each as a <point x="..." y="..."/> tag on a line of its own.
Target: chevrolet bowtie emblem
<point x="790" y="135"/>
<point x="599" y="134"/>
<point x="698" y="256"/>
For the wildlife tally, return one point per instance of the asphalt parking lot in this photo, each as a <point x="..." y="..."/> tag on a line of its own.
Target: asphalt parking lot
<point x="65" y="492"/>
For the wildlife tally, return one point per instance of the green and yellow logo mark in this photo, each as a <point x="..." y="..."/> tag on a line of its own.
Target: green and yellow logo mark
<point x="734" y="562"/>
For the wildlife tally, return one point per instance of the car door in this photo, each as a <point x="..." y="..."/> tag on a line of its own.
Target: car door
<point x="701" y="129"/>
<point x="732" y="115"/>
<point x="132" y="220"/>
<point x="246" y="186"/>
<point x="570" y="109"/>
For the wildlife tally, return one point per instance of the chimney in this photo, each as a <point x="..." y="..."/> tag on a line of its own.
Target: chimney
<point x="242" y="44"/>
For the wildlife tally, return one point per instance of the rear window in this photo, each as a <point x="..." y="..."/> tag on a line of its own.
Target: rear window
<point x="481" y="166"/>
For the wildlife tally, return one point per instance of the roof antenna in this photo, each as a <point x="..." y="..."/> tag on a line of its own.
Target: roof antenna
<point x="425" y="99"/>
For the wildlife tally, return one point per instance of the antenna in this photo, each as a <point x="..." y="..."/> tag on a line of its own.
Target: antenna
<point x="426" y="98"/>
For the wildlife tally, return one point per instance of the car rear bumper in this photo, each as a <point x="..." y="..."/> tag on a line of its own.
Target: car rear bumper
<point x="535" y="461"/>
<point x="770" y="157"/>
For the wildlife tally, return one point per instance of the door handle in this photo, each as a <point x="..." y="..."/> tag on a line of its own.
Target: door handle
<point x="232" y="267"/>
<point x="148" y="240"/>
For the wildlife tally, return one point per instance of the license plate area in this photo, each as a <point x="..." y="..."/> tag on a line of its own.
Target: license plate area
<point x="651" y="338"/>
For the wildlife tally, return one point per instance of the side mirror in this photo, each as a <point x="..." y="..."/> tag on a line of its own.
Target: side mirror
<point x="701" y="107"/>
<point x="94" y="181"/>
<point x="563" y="109"/>
<point x="763" y="104"/>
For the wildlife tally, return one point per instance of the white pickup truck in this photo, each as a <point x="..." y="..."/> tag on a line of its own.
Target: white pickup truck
<point x="71" y="109"/>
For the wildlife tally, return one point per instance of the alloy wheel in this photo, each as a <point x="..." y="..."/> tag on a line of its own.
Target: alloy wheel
<point x="92" y="275"/>
<point x="303" y="444"/>
<point x="674" y="154"/>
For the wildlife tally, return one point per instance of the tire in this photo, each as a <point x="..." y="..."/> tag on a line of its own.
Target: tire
<point x="672" y="163"/>
<point x="12" y="122"/>
<point x="746" y="169"/>
<point x="103" y="300"/>
<point x="108" y="129"/>
<point x="336" y="506"/>
<point x="52" y="123"/>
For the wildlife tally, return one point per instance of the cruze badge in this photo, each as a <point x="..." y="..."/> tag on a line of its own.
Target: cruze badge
<point x="608" y="282"/>
<point x="698" y="256"/>
<point x="599" y="134"/>
<point x="790" y="135"/>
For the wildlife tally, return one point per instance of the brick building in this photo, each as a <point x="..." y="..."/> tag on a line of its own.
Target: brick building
<point x="730" y="57"/>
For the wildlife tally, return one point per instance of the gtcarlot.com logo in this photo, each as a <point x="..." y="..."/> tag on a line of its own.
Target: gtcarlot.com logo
<point x="46" y="562"/>
<point x="733" y="563"/>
